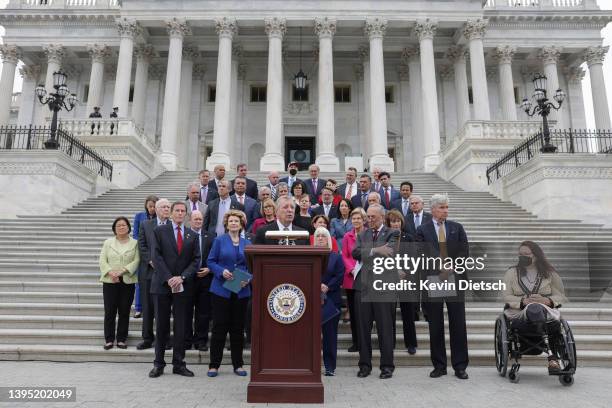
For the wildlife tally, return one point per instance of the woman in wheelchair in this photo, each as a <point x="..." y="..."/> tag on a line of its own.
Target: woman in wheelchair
<point x="531" y="322"/>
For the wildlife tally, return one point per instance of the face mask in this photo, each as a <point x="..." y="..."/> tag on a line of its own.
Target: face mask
<point x="293" y="172"/>
<point x="524" y="261"/>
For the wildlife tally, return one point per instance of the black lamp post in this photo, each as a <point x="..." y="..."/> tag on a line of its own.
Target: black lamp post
<point x="61" y="99"/>
<point x="543" y="107"/>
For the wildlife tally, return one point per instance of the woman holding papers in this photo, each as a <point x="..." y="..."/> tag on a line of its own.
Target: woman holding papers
<point x="331" y="300"/>
<point x="358" y="219"/>
<point x="230" y="292"/>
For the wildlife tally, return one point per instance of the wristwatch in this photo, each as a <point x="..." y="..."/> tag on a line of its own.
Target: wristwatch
<point x="183" y="278"/>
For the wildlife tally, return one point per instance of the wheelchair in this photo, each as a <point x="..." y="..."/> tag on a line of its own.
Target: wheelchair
<point x="553" y="338"/>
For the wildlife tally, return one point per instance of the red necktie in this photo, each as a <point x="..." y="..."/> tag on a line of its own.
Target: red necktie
<point x="387" y="197"/>
<point x="349" y="193"/>
<point x="179" y="239"/>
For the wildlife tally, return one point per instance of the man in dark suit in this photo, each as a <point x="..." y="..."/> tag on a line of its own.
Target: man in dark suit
<point x="445" y="239"/>
<point x="219" y="171"/>
<point x="146" y="246"/>
<point x="196" y="333"/>
<point x="213" y="220"/>
<point x="176" y="261"/>
<point x="349" y="188"/>
<point x="327" y="208"/>
<point x="292" y="168"/>
<point x="273" y="180"/>
<point x="285" y="212"/>
<point x="251" y="185"/>
<point x="193" y="199"/>
<point x="376" y="241"/>
<point x="361" y="198"/>
<point x="388" y="194"/>
<point x="207" y="194"/>
<point x="402" y="204"/>
<point x="251" y="208"/>
<point x="314" y="184"/>
<point x="416" y="216"/>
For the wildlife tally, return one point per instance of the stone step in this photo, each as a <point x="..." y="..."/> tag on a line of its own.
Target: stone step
<point x="48" y="277"/>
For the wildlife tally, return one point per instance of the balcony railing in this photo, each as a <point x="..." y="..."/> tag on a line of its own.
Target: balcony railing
<point x="566" y="141"/>
<point x="540" y="4"/>
<point x="34" y="137"/>
<point x="65" y="4"/>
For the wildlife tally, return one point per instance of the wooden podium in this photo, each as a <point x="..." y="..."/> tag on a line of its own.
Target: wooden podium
<point x="286" y="349"/>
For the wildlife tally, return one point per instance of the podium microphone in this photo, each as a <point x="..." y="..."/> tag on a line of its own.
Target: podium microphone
<point x="287" y="237"/>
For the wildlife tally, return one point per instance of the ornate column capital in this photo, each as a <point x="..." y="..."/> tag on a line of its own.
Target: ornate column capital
<point x="403" y="72"/>
<point x="325" y="27"/>
<point x="31" y="72"/>
<point x="425" y="29"/>
<point x="411" y="54"/>
<point x="55" y="53"/>
<point x="358" y="70"/>
<point x="457" y="54"/>
<point x="504" y="54"/>
<point x="275" y="27"/>
<point x="242" y="71"/>
<point x="475" y="28"/>
<point x="145" y="52"/>
<point x="595" y="55"/>
<point x="10" y="53"/>
<point x="178" y="28"/>
<point x="447" y="72"/>
<point x="550" y="54"/>
<point x="226" y="27"/>
<point x="574" y="74"/>
<point x="492" y="73"/>
<point x="190" y="52"/>
<point x="199" y="70"/>
<point x="98" y="52"/>
<point x="375" y="27"/>
<point x="128" y="28"/>
<point x="237" y="50"/>
<point x="364" y="53"/>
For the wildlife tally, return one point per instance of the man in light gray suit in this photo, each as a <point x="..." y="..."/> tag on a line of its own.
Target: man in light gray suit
<point x="146" y="246"/>
<point x="213" y="219"/>
<point x="376" y="241"/>
<point x="251" y="208"/>
<point x="193" y="200"/>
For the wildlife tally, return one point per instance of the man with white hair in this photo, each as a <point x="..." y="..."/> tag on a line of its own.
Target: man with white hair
<point x="146" y="246"/>
<point x="285" y="213"/>
<point x="375" y="242"/>
<point x="445" y="239"/>
<point x="416" y="215"/>
<point x="273" y="178"/>
<point x="314" y="184"/>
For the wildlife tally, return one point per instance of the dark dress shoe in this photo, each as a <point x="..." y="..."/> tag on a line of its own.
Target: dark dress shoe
<point x="184" y="371"/>
<point x="122" y="345"/>
<point x="437" y="372"/>
<point x="412" y="350"/>
<point x="203" y="347"/>
<point x="108" y="346"/>
<point x="353" y="349"/>
<point x="461" y="374"/>
<point x="384" y="374"/>
<point x="144" y="345"/>
<point x="156" y="372"/>
<point x="363" y="372"/>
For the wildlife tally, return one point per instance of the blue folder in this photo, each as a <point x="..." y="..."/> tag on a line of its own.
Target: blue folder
<point x="328" y="310"/>
<point x="234" y="284"/>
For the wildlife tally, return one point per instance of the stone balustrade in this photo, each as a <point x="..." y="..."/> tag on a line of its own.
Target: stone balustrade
<point x="65" y="4"/>
<point x="540" y="4"/>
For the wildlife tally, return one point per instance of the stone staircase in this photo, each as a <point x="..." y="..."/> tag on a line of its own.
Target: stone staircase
<point x="51" y="301"/>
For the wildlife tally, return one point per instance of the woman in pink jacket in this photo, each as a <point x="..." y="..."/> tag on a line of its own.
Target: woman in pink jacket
<point x="358" y="218"/>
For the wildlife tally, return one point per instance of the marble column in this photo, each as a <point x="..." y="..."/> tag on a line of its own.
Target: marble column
<point x="403" y="73"/>
<point x="144" y="54"/>
<point x="55" y="53"/>
<point x="27" y="111"/>
<point x="177" y="30"/>
<point x="594" y="57"/>
<point x="575" y="99"/>
<point x="457" y="56"/>
<point x="273" y="157"/>
<point x="128" y="29"/>
<point x="241" y="142"/>
<point x="226" y="30"/>
<point x="10" y="56"/>
<point x="474" y="32"/>
<point x="411" y="57"/>
<point x="364" y="54"/>
<point x="550" y="56"/>
<point x="425" y="31"/>
<point x="449" y="119"/>
<point x="375" y="28"/>
<point x="325" y="28"/>
<point x="504" y="56"/>
<point x="193" y="144"/>
<point x="189" y="54"/>
<point x="234" y="140"/>
<point x="98" y="54"/>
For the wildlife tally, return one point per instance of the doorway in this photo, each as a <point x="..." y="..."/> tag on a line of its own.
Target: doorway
<point x="301" y="150"/>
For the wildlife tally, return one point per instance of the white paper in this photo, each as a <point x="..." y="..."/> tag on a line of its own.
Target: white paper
<point x="356" y="269"/>
<point x="442" y="292"/>
<point x="179" y="289"/>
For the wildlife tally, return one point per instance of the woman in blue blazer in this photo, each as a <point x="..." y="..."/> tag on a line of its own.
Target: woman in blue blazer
<point x="331" y="282"/>
<point x="228" y="308"/>
<point x="147" y="214"/>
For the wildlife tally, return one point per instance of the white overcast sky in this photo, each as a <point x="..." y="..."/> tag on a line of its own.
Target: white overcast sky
<point x="586" y="87"/>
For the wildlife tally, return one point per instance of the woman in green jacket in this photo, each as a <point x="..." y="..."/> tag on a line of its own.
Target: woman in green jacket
<point x="119" y="260"/>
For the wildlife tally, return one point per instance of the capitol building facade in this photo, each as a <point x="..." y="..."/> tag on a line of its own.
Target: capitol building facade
<point x="401" y="85"/>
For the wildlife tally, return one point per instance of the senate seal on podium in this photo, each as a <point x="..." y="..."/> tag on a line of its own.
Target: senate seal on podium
<point x="286" y="303"/>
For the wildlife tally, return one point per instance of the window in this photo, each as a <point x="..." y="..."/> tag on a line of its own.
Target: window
<point x="212" y="93"/>
<point x="389" y="97"/>
<point x="470" y="95"/>
<point x="516" y="96"/>
<point x="131" y="99"/>
<point x="300" y="95"/>
<point x="85" y="94"/>
<point x="342" y="94"/>
<point x="258" y="93"/>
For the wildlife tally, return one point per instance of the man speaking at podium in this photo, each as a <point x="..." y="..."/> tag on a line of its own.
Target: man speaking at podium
<point x="285" y="211"/>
